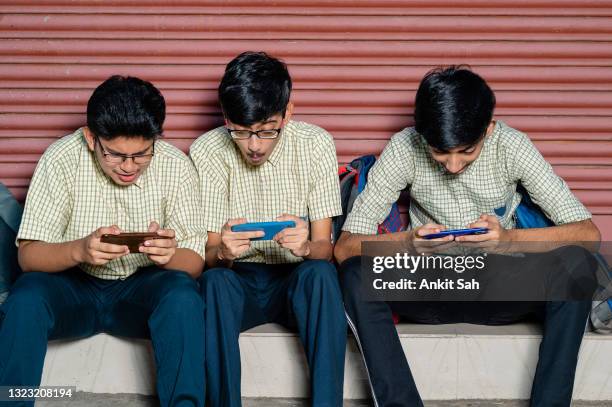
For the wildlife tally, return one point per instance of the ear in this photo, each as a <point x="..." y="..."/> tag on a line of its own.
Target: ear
<point x="288" y="113"/>
<point x="490" y="128"/>
<point x="89" y="138"/>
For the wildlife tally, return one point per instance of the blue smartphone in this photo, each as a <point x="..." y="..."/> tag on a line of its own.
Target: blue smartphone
<point x="456" y="232"/>
<point x="269" y="228"/>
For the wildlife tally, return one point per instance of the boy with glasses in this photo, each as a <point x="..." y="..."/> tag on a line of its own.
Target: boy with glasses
<point x="112" y="176"/>
<point x="261" y="166"/>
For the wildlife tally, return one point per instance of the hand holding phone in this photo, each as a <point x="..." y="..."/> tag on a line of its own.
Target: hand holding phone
<point x="92" y="250"/>
<point x="270" y="229"/>
<point x="456" y="232"/>
<point x="133" y="240"/>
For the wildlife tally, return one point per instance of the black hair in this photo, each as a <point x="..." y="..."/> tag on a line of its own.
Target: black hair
<point x="255" y="87"/>
<point x="126" y="106"/>
<point x="453" y="107"/>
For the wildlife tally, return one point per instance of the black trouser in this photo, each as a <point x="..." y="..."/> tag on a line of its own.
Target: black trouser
<point x="390" y="377"/>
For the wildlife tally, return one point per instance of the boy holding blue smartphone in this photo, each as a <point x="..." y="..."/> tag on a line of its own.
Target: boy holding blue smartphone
<point x="462" y="168"/>
<point x="263" y="167"/>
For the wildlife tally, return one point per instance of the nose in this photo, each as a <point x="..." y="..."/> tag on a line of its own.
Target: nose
<point x="454" y="165"/>
<point x="129" y="166"/>
<point x="254" y="143"/>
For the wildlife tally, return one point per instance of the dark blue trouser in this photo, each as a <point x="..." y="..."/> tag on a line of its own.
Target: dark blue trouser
<point x="304" y="295"/>
<point x="390" y="376"/>
<point x="161" y="304"/>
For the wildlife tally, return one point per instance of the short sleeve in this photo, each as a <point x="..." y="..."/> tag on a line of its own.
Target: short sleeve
<point x="48" y="204"/>
<point x="549" y="191"/>
<point x="324" y="195"/>
<point x="391" y="173"/>
<point x="213" y="186"/>
<point x="184" y="214"/>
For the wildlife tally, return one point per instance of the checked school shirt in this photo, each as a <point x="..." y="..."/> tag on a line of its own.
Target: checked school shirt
<point x="70" y="197"/>
<point x="487" y="186"/>
<point x="299" y="178"/>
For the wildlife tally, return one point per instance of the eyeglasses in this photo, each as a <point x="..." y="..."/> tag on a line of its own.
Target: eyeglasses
<point x="262" y="134"/>
<point x="116" y="158"/>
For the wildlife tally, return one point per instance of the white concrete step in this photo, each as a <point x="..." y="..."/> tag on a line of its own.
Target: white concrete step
<point x="449" y="362"/>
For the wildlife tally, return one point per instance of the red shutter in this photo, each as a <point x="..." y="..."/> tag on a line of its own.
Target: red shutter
<point x="356" y="65"/>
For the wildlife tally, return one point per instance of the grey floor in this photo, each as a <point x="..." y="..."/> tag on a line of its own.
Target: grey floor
<point x="130" y="400"/>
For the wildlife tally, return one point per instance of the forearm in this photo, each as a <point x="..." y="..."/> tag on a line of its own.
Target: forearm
<point x="349" y="244"/>
<point x="186" y="260"/>
<point x="583" y="233"/>
<point x="47" y="257"/>
<point x="320" y="250"/>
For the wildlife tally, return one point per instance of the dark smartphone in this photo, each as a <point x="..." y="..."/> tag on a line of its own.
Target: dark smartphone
<point x="133" y="240"/>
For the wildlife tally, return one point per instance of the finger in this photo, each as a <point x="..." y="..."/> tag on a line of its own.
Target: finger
<point x="159" y="259"/>
<point x="491" y="218"/>
<point x="108" y="256"/>
<point x="236" y="221"/>
<point x="282" y="234"/>
<point x="159" y="251"/>
<point x="166" y="233"/>
<point x="239" y="250"/>
<point x="245" y="235"/>
<point x="286" y="216"/>
<point x="160" y="243"/>
<point x="437" y="241"/>
<point x="424" y="231"/>
<point x="110" y="248"/>
<point x="479" y="224"/>
<point x="153" y="226"/>
<point x="475" y="238"/>
<point x="110" y="230"/>
<point x="291" y="239"/>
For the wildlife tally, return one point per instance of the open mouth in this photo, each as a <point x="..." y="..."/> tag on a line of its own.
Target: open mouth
<point x="256" y="157"/>
<point x="127" y="177"/>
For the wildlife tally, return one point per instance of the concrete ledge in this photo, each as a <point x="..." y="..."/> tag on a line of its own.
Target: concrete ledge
<point x="449" y="362"/>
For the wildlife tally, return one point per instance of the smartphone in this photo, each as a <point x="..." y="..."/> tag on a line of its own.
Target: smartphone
<point x="133" y="240"/>
<point x="456" y="232"/>
<point x="269" y="228"/>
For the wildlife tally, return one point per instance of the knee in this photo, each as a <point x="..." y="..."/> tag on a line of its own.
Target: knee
<point x="217" y="279"/>
<point x="29" y="297"/>
<point x="181" y="294"/>
<point x="349" y="274"/>
<point x="318" y="273"/>
<point x="578" y="260"/>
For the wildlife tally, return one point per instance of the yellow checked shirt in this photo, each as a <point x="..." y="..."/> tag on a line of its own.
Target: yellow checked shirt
<point x="299" y="178"/>
<point x="70" y="197"/>
<point x="487" y="186"/>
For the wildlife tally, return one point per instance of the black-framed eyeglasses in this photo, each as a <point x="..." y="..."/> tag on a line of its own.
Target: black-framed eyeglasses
<point x="117" y="158"/>
<point x="262" y="134"/>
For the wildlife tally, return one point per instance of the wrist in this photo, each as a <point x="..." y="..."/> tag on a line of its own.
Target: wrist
<point x="75" y="249"/>
<point x="220" y="257"/>
<point x="307" y="249"/>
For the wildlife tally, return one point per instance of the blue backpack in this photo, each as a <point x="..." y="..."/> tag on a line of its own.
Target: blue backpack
<point x="353" y="178"/>
<point x="529" y="215"/>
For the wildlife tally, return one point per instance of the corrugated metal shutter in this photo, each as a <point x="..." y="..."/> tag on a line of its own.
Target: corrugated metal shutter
<point x="356" y="65"/>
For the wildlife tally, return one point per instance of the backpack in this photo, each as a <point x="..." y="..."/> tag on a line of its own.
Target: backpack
<point x="353" y="178"/>
<point x="10" y="218"/>
<point x="529" y="215"/>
